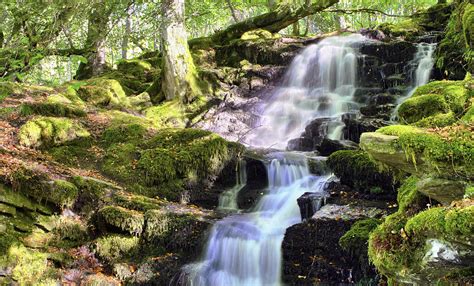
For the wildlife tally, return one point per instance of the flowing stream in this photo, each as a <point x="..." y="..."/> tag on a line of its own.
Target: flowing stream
<point x="245" y="248"/>
<point x="424" y="63"/>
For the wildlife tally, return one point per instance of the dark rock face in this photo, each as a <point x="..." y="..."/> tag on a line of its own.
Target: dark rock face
<point x="309" y="203"/>
<point x="356" y="126"/>
<point x="257" y="181"/>
<point x="329" y="146"/>
<point x="311" y="251"/>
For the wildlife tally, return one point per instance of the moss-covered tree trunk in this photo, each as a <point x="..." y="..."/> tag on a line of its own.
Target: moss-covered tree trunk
<point x="95" y="41"/>
<point x="282" y="16"/>
<point x="178" y="76"/>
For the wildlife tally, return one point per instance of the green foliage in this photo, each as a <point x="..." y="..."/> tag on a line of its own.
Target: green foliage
<point x="454" y="55"/>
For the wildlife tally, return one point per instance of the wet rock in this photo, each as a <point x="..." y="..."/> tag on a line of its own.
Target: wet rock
<point x="311" y="250"/>
<point x="329" y="146"/>
<point x="309" y="203"/>
<point x="356" y="126"/>
<point x="300" y="144"/>
<point x="444" y="191"/>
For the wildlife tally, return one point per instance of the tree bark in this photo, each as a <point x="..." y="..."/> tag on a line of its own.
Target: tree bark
<point x="178" y="76"/>
<point x="95" y="42"/>
<point x="274" y="21"/>
<point x="233" y="12"/>
<point x="126" y="34"/>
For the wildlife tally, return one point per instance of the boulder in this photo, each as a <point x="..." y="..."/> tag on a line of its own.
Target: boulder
<point x="356" y="126"/>
<point x="329" y="146"/>
<point x="442" y="190"/>
<point x="309" y="203"/>
<point x="311" y="250"/>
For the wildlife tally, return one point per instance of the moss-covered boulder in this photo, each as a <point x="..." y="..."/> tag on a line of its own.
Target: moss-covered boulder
<point x="449" y="155"/>
<point x="68" y="105"/>
<point x="169" y="162"/>
<point x="49" y="131"/>
<point x="104" y="93"/>
<point x="433" y="245"/>
<point x="438" y="104"/>
<point x="357" y="170"/>
<point x="123" y="219"/>
<point x="113" y="248"/>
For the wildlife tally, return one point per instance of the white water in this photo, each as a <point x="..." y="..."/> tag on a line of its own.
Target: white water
<point x="228" y="199"/>
<point x="245" y="249"/>
<point x="320" y="82"/>
<point x="424" y="62"/>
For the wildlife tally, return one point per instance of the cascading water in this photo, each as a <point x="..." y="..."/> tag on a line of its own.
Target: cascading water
<point x="320" y="82"/>
<point x="424" y="62"/>
<point x="245" y="249"/>
<point x="228" y="199"/>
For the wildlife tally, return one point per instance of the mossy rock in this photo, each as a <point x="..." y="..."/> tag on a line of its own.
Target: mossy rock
<point x="29" y="267"/>
<point x="408" y="29"/>
<point x="123" y="219"/>
<point x="138" y="68"/>
<point x="258" y="34"/>
<point x="355" y="240"/>
<point x="408" y="249"/>
<point x="114" y="248"/>
<point x="50" y="131"/>
<point x="168" y="161"/>
<point x="124" y="133"/>
<point x="437" y="104"/>
<point x="357" y="170"/>
<point x="40" y="187"/>
<point x="103" y="92"/>
<point x="419" y="151"/>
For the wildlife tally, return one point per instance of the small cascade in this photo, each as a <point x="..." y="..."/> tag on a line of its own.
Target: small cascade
<point x="245" y="249"/>
<point x="320" y="82"/>
<point x="228" y="199"/>
<point x="424" y="63"/>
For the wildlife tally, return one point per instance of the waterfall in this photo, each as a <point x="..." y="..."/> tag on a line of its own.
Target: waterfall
<point x="228" y="199"/>
<point x="424" y="62"/>
<point x="245" y="249"/>
<point x="320" y="82"/>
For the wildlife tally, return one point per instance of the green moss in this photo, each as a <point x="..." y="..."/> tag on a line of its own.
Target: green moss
<point x="70" y="232"/>
<point x="438" y="120"/>
<point x="356" y="238"/>
<point x="417" y="108"/>
<point x="167" y="114"/>
<point x="40" y="187"/>
<point x="408" y="198"/>
<point x="118" y="118"/>
<point x="49" y="131"/>
<point x="357" y="170"/>
<point x="130" y="133"/>
<point x="165" y="163"/>
<point x="30" y="267"/>
<point x="407" y="29"/>
<point x="137" y="202"/>
<point x="92" y="194"/>
<point x="76" y="153"/>
<point x="397" y="130"/>
<point x="454" y="54"/>
<point x="103" y="92"/>
<point x="115" y="248"/>
<point x="124" y="219"/>
<point x="258" y="34"/>
<point x="120" y="161"/>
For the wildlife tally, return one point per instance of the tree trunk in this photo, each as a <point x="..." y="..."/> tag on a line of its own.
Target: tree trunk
<point x="274" y="21"/>
<point x="95" y="42"/>
<point x="233" y="12"/>
<point x="178" y="76"/>
<point x="126" y="35"/>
